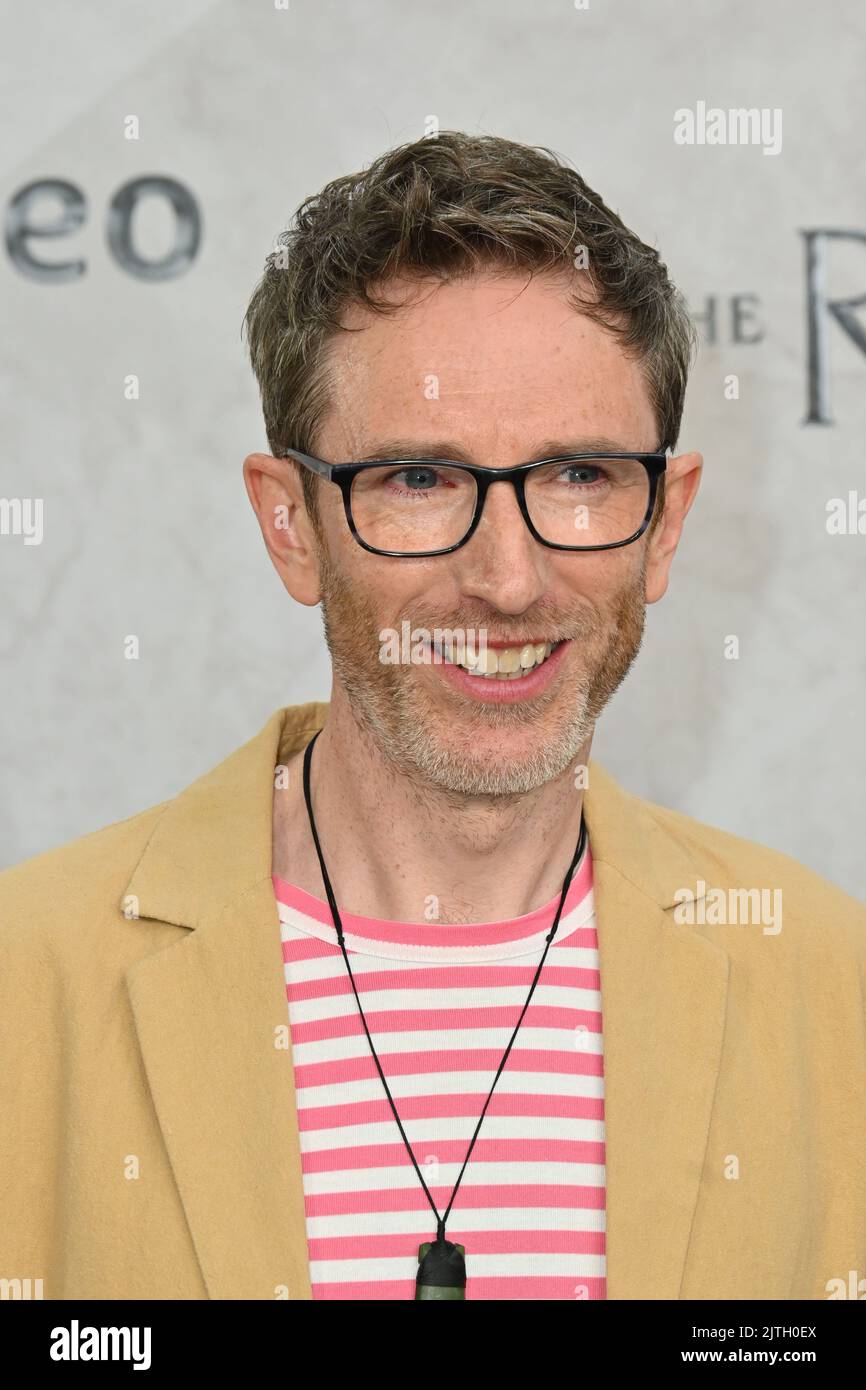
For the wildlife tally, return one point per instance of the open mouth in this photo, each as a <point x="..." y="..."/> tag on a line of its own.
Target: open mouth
<point x="500" y="663"/>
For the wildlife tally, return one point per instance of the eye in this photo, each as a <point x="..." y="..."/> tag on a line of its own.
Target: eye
<point x="416" y="477"/>
<point x="582" y="473"/>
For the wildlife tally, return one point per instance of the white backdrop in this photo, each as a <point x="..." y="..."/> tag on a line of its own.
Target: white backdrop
<point x="147" y="529"/>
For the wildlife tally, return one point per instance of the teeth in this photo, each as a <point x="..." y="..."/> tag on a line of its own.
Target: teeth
<point x="507" y="663"/>
<point x="509" y="660"/>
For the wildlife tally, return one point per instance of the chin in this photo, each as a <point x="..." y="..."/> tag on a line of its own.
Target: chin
<point x="488" y="765"/>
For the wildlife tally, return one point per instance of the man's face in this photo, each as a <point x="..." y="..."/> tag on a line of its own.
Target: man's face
<point x="507" y="371"/>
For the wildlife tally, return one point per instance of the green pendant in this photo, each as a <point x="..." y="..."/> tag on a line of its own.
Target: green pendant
<point x="441" y="1270"/>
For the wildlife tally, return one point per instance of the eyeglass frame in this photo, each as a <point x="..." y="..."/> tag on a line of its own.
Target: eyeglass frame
<point x="343" y="474"/>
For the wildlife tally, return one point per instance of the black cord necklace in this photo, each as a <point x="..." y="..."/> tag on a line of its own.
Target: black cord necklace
<point x="442" y="1267"/>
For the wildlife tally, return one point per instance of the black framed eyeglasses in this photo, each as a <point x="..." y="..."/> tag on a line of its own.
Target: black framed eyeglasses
<point x="408" y="508"/>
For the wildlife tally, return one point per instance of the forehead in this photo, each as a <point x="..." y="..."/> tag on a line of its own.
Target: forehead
<point x="495" y="360"/>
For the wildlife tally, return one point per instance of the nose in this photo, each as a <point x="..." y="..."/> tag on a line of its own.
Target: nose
<point x="503" y="563"/>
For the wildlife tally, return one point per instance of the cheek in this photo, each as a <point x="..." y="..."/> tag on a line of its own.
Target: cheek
<point x="370" y="594"/>
<point x="398" y="589"/>
<point x="599" y="579"/>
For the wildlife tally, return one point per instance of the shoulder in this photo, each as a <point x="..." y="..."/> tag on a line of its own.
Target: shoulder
<point x="674" y="857"/>
<point x="811" y="903"/>
<point x="52" y="897"/>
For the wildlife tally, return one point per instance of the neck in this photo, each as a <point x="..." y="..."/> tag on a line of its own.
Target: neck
<point x="403" y="851"/>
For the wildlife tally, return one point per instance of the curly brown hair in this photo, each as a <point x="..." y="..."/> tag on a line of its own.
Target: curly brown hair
<point x="447" y="206"/>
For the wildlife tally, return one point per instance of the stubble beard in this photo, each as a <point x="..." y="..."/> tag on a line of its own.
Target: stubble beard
<point x="394" y="709"/>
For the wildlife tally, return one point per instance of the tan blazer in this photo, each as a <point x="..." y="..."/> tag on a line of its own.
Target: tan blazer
<point x="149" y="1135"/>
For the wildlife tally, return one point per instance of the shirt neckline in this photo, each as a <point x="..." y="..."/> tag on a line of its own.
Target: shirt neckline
<point x="382" y="936"/>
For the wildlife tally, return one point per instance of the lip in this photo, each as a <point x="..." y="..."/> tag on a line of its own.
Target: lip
<point x="494" y="692"/>
<point x="527" y="641"/>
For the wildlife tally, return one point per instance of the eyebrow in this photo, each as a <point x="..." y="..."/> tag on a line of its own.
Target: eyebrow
<point x="391" y="449"/>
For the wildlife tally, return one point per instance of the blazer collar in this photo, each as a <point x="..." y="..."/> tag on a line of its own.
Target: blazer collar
<point x="211" y="1016"/>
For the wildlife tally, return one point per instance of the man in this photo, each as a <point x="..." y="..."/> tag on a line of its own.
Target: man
<point x="408" y="998"/>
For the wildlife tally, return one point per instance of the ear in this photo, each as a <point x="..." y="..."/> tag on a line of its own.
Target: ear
<point x="277" y="498"/>
<point x="682" y="476"/>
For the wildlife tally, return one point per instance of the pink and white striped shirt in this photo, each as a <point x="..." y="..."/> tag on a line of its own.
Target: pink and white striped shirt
<point x="441" y="1003"/>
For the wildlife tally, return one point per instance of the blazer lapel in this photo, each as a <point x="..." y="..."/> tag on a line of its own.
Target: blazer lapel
<point x="664" y="992"/>
<point x="211" y="1018"/>
<point x="209" y="1012"/>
